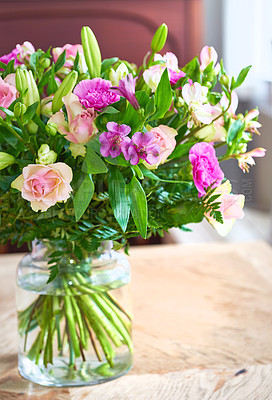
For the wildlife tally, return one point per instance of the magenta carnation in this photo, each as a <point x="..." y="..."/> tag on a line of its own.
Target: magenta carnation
<point x="206" y="169"/>
<point x="95" y="93"/>
<point x="11" y="56"/>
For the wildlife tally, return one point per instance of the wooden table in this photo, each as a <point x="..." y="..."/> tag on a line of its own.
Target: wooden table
<point x="203" y="327"/>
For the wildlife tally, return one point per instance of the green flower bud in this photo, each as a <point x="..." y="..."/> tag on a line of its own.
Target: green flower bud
<point x="26" y="85"/>
<point x="66" y="87"/>
<point x="91" y="52"/>
<point x="83" y="76"/>
<point x="19" y="109"/>
<point x="240" y="116"/>
<point x="159" y="38"/>
<point x="45" y="155"/>
<point x="51" y="128"/>
<point x="6" y="160"/>
<point x="224" y="80"/>
<point x="45" y="63"/>
<point x="179" y="102"/>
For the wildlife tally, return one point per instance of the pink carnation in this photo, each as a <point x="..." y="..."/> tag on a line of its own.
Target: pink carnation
<point x="95" y="93"/>
<point x="10" y="56"/>
<point x="7" y="94"/>
<point x="44" y="185"/>
<point x="206" y="169"/>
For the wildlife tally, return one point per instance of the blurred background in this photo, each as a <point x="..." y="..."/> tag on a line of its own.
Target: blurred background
<point x="240" y="31"/>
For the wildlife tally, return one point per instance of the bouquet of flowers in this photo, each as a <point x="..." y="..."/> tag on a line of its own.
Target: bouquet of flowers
<point x="94" y="151"/>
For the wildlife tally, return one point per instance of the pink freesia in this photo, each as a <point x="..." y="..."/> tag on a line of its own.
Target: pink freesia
<point x="80" y="127"/>
<point x="71" y="52"/>
<point x="164" y="137"/>
<point x="95" y="93"/>
<point x="231" y="208"/>
<point x="115" y="140"/>
<point x="8" y="93"/>
<point x="252" y="125"/>
<point x="24" y="51"/>
<point x="207" y="55"/>
<point x="206" y="169"/>
<point x="44" y="185"/>
<point x="195" y="96"/>
<point x="224" y="102"/>
<point x="246" y="160"/>
<point x="143" y="147"/>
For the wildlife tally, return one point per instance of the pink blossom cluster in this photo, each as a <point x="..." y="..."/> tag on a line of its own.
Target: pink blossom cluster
<point x="20" y="54"/>
<point x="140" y="146"/>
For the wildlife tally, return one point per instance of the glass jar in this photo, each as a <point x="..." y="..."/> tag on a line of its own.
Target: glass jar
<point x="75" y="330"/>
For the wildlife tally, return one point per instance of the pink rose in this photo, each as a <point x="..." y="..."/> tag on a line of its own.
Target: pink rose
<point x="95" y="93"/>
<point x="164" y="136"/>
<point x="80" y="127"/>
<point x="44" y="185"/>
<point x="71" y="52"/>
<point x="231" y="208"/>
<point x="206" y="169"/>
<point x="8" y="93"/>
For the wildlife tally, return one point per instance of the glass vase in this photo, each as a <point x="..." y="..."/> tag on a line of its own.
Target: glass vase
<point x="75" y="330"/>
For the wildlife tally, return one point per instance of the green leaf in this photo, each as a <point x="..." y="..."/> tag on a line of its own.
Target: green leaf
<point x="241" y="77"/>
<point x="39" y="122"/>
<point x="75" y="67"/>
<point x="5" y="182"/>
<point x="138" y="205"/>
<point x="6" y="111"/>
<point x="9" y="69"/>
<point x="3" y="65"/>
<point x="60" y="61"/>
<point x="109" y="110"/>
<point x="163" y="96"/>
<point x="53" y="272"/>
<point x="192" y="70"/>
<point x="52" y="84"/>
<point x="83" y="196"/>
<point x="117" y="161"/>
<point x="235" y="128"/>
<point x="118" y="198"/>
<point x="30" y="112"/>
<point x="34" y="58"/>
<point x="214" y="97"/>
<point x="149" y="174"/>
<point x="181" y="150"/>
<point x="136" y="170"/>
<point x="150" y="107"/>
<point x="93" y="164"/>
<point x="108" y="62"/>
<point x="45" y="79"/>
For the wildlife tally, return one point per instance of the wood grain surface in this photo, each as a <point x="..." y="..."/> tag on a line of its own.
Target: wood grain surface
<point x="202" y="329"/>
